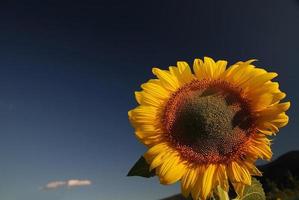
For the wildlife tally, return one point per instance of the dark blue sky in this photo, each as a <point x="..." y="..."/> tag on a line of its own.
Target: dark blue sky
<point x="68" y="71"/>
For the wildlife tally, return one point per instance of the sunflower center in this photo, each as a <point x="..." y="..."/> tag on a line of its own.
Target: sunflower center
<point x="207" y="121"/>
<point x="203" y="117"/>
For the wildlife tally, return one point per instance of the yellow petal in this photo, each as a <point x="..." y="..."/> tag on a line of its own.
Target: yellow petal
<point x="252" y="168"/>
<point x="196" y="190"/>
<point x="280" y="120"/>
<point x="207" y="181"/>
<point x="221" y="177"/>
<point x="145" y="127"/>
<point x="182" y="73"/>
<point x="188" y="181"/>
<point x="230" y="71"/>
<point x="150" y="141"/>
<point x="261" y="102"/>
<point x="186" y="75"/>
<point x="258" y="81"/>
<point x="275" y="109"/>
<point x="260" y="147"/>
<point x="142" y="134"/>
<point x="197" y="68"/>
<point x="240" y="74"/>
<point x="183" y="67"/>
<point x="238" y="173"/>
<point x="159" y="159"/>
<point x="168" y="164"/>
<point x="142" y="115"/>
<point x="209" y="67"/>
<point x="169" y="81"/>
<point x="154" y="151"/>
<point x="144" y="111"/>
<point x="154" y="87"/>
<point x="144" y="98"/>
<point x="278" y="96"/>
<point x="221" y="66"/>
<point x="272" y="118"/>
<point x="269" y="87"/>
<point x="265" y="96"/>
<point x="173" y="173"/>
<point x="239" y="188"/>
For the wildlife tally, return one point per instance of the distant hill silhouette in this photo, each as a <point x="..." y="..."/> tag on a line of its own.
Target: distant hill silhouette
<point x="281" y="173"/>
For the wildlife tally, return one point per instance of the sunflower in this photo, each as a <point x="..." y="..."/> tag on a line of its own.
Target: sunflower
<point x="207" y="128"/>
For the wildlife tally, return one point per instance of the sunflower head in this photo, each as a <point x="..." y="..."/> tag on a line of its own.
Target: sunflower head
<point x="208" y="128"/>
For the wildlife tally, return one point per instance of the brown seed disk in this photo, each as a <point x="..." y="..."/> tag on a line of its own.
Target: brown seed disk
<point x="208" y="121"/>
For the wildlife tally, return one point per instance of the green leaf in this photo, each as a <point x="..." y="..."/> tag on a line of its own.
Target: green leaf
<point x="141" y="168"/>
<point x="254" y="191"/>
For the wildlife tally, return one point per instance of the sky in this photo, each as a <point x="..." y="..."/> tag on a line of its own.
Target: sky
<point x="68" y="72"/>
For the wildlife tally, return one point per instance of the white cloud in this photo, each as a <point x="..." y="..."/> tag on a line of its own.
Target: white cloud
<point x="76" y="182"/>
<point x="67" y="183"/>
<point x="55" y="184"/>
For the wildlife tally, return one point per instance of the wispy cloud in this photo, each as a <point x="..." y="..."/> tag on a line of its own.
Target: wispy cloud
<point x="55" y="184"/>
<point x="67" y="183"/>
<point x="75" y="183"/>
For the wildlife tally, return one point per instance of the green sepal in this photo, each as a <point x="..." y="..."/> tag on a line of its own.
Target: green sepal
<point x="141" y="168"/>
<point x="254" y="191"/>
